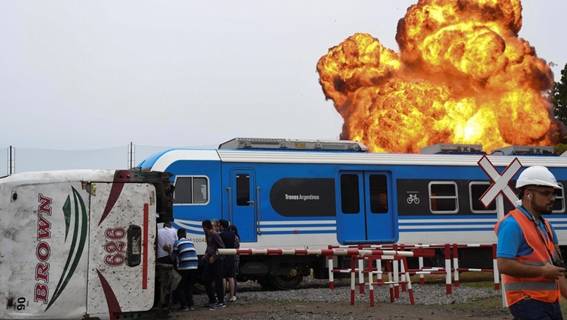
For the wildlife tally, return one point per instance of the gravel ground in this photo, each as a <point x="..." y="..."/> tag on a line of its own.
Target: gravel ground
<point x="429" y="294"/>
<point x="315" y="301"/>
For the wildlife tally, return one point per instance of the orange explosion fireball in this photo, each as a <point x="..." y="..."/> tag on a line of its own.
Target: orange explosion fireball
<point x="463" y="76"/>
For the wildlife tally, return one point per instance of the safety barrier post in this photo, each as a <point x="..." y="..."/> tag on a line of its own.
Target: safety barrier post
<point x="396" y="268"/>
<point x="420" y="266"/>
<point x="379" y="279"/>
<point x="403" y="274"/>
<point x="331" y="275"/>
<point x="408" y="279"/>
<point x="495" y="271"/>
<point x="352" y="278"/>
<point x="456" y="264"/>
<point x="370" y="263"/>
<point x="448" y="287"/>
<point x="390" y="279"/>
<point x="361" y="274"/>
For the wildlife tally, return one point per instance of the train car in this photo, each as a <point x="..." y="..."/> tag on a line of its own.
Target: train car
<point x="290" y="193"/>
<point x="80" y="243"/>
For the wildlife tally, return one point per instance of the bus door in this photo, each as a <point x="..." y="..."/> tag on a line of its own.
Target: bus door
<point x="365" y="208"/>
<point x="243" y="206"/>
<point x="121" y="252"/>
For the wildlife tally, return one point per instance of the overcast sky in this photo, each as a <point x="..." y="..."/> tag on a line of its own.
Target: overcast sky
<point x="91" y="74"/>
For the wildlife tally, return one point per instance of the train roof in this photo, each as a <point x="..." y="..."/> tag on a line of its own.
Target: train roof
<point x="161" y="161"/>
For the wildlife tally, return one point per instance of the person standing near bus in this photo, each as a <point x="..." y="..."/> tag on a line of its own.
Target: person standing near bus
<point x="186" y="262"/>
<point x="533" y="271"/>
<point x="213" y="266"/>
<point x="230" y="241"/>
<point x="166" y="238"/>
<point x="167" y="276"/>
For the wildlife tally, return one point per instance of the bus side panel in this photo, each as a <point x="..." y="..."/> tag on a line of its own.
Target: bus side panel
<point x="44" y="251"/>
<point x="122" y="256"/>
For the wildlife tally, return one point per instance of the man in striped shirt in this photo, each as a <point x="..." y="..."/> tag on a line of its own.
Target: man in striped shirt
<point x="186" y="262"/>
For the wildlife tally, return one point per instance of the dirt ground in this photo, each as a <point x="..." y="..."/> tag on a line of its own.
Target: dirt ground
<point x="256" y="304"/>
<point x="486" y="308"/>
<point x="308" y="310"/>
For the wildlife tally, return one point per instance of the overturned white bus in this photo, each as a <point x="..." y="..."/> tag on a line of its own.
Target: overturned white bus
<point x="81" y="243"/>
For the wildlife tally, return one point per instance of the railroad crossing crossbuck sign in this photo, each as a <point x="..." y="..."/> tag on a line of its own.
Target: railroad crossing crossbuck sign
<point x="499" y="184"/>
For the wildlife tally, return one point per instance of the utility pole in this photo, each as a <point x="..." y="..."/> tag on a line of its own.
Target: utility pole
<point x="11" y="160"/>
<point x="131" y="155"/>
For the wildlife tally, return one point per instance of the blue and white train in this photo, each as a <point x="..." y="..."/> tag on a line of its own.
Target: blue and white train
<point x="290" y="193"/>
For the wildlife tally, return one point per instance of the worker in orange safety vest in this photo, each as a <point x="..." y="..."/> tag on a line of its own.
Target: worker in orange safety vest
<point x="529" y="259"/>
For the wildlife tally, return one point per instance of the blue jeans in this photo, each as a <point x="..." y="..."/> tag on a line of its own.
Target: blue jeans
<point x="530" y="309"/>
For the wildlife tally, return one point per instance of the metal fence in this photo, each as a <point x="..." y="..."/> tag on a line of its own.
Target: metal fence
<point x="35" y="159"/>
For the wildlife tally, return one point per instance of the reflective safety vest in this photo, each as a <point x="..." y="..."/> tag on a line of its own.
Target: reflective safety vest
<point x="538" y="288"/>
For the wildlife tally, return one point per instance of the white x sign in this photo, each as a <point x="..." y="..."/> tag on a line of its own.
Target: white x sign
<point x="499" y="183"/>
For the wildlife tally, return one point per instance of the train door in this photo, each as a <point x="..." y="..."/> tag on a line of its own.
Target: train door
<point x="381" y="222"/>
<point x="351" y="226"/>
<point x="243" y="204"/>
<point x="365" y="208"/>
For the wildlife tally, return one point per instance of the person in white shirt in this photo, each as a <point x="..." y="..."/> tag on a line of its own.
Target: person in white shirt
<point x="166" y="238"/>
<point x="168" y="278"/>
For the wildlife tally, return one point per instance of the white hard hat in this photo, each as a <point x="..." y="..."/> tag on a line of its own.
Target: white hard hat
<point x="537" y="176"/>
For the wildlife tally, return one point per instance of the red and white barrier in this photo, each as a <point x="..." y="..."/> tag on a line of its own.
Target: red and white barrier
<point x="451" y="268"/>
<point x="319" y="252"/>
<point x="390" y="259"/>
<point x="457" y="269"/>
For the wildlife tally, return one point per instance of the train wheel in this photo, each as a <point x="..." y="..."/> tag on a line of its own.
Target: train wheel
<point x="290" y="280"/>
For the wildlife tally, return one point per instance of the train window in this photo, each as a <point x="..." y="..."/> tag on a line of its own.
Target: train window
<point x="243" y="190"/>
<point x="559" y="205"/>
<point x="476" y="190"/>
<point x="443" y="197"/>
<point x="378" y="193"/>
<point x="349" y="193"/>
<point x="200" y="190"/>
<point x="191" y="190"/>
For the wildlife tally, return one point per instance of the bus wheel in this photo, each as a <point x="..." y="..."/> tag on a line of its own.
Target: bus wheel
<point x="291" y="280"/>
<point x="265" y="283"/>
